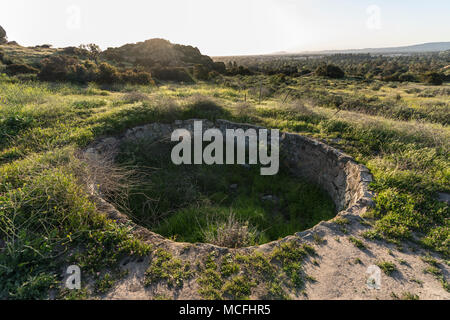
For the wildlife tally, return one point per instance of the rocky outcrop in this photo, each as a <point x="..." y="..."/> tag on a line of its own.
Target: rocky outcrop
<point x="158" y="53"/>
<point x="343" y="178"/>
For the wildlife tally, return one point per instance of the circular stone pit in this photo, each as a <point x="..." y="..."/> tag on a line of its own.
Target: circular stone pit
<point x="338" y="174"/>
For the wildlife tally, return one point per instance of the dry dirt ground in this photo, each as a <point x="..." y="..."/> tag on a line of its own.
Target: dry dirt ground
<point x="340" y="268"/>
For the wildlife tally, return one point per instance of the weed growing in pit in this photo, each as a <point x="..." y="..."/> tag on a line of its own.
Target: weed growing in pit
<point x="230" y="205"/>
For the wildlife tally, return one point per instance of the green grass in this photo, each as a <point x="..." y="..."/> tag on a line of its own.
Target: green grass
<point x="105" y="282"/>
<point x="211" y="283"/>
<point x="19" y="54"/>
<point x="434" y="270"/>
<point x="341" y="221"/>
<point x="405" y="296"/>
<point x="236" y="276"/>
<point x="238" y="288"/>
<point x="430" y="260"/>
<point x="290" y="255"/>
<point x="47" y="220"/>
<point x="275" y="292"/>
<point x="228" y="266"/>
<point x="387" y="267"/>
<point x="357" y="243"/>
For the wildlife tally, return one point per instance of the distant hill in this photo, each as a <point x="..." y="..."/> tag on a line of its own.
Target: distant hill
<point x="158" y="53"/>
<point x="418" y="48"/>
<point x="157" y="58"/>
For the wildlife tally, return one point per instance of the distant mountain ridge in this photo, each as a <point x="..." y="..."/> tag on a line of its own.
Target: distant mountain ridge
<point x="417" y="48"/>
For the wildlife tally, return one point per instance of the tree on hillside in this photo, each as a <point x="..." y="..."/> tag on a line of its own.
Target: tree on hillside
<point x="93" y="51"/>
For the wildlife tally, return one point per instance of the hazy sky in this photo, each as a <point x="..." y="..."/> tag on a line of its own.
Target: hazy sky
<point x="229" y="27"/>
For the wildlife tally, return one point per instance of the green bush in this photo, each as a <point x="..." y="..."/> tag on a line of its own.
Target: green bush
<point x="82" y="73"/>
<point x="57" y="68"/>
<point x="330" y="71"/>
<point x="433" y="78"/>
<point x="66" y="68"/>
<point x="220" y="67"/>
<point x="172" y="74"/>
<point x="14" y="69"/>
<point x="108" y="74"/>
<point x="136" y="77"/>
<point x="407" y="77"/>
<point x="241" y="70"/>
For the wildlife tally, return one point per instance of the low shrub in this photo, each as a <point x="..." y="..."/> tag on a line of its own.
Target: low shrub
<point x="330" y="71"/>
<point x="67" y="68"/>
<point x="407" y="77"/>
<point x="137" y="77"/>
<point x="15" y="68"/>
<point x="57" y="68"/>
<point x="172" y="74"/>
<point x="433" y="78"/>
